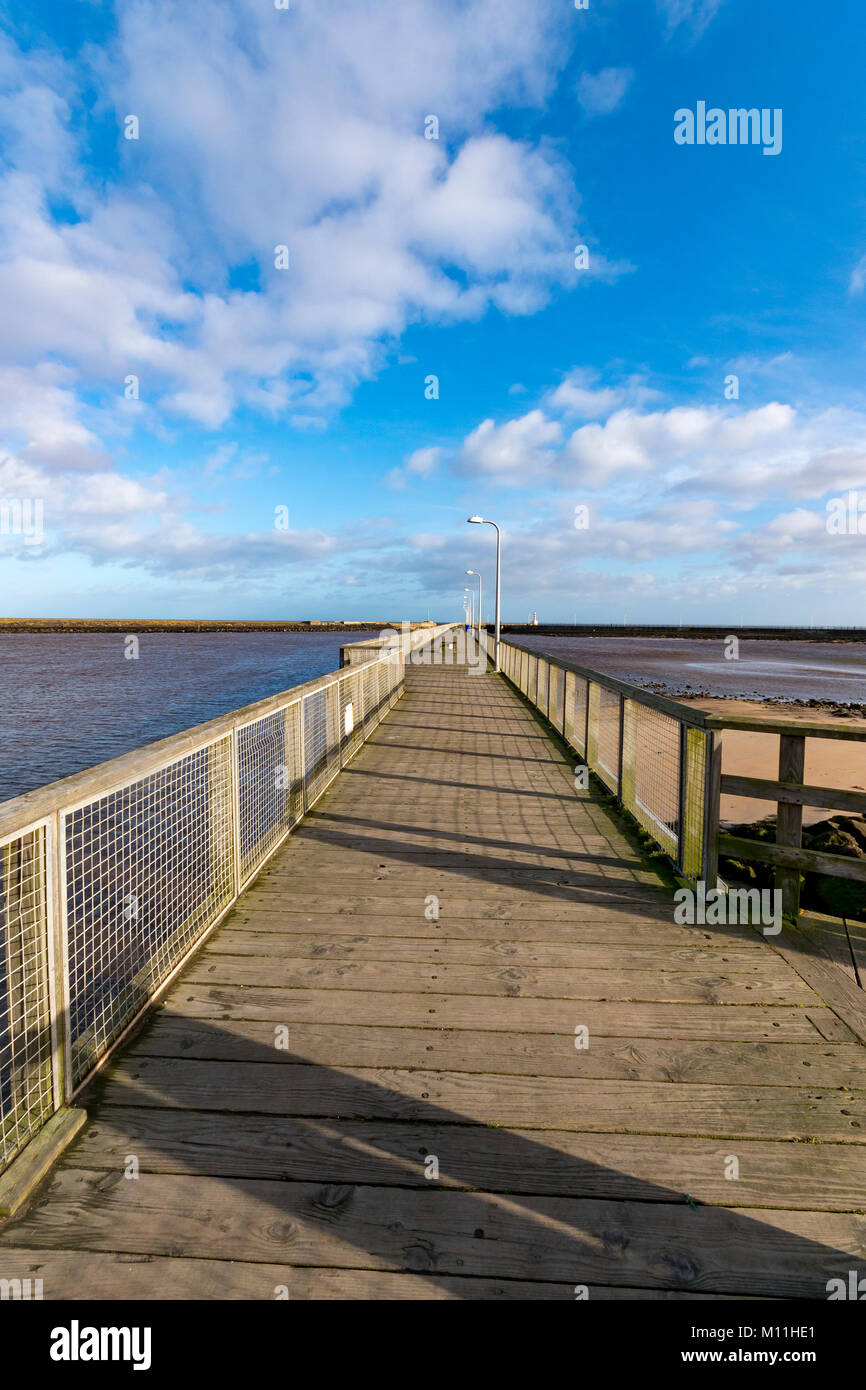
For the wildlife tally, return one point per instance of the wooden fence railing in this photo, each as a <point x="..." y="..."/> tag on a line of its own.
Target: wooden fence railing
<point x="791" y="793"/>
<point x="663" y="762"/>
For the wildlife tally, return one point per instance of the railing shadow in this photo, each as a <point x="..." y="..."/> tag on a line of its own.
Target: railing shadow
<point x="304" y="1165"/>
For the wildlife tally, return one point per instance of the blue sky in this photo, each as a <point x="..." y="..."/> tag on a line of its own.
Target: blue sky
<point x="261" y="389"/>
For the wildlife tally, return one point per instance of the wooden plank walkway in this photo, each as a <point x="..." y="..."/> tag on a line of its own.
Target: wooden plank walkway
<point x="284" y="1106"/>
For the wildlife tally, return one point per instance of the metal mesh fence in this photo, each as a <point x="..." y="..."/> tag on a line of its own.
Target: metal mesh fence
<point x="144" y="870"/>
<point x="575" y="712"/>
<point x="557" y="697"/>
<point x="542" y="689"/>
<point x="148" y="868"/>
<point x="371" y="700"/>
<point x="607" y="734"/>
<point x="651" y="772"/>
<point x="321" y="740"/>
<point x="270" y="784"/>
<point x="392" y="675"/>
<point x="26" y="1092"/>
<point x="351" y="716"/>
<point x="663" y="759"/>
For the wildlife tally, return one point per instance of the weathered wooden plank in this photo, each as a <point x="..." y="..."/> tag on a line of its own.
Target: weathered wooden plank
<point x="787" y="857"/>
<point x="814" y="966"/>
<point x="408" y="1010"/>
<point x="798" y="795"/>
<point x="830" y="1026"/>
<point x="542" y="1102"/>
<point x="609" y="884"/>
<point x="615" y="929"/>
<point x="69" y="1276"/>
<point x="710" y="986"/>
<point x="843" y="940"/>
<point x="654" y="1244"/>
<point x="377" y="899"/>
<point x="434" y="946"/>
<point x="826" y="1177"/>
<point x="466" y="855"/>
<point x="833" y="942"/>
<point x="523" y="1054"/>
<point x="794" y="727"/>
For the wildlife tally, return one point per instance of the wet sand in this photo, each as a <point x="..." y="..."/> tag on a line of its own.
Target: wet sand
<point x="829" y="762"/>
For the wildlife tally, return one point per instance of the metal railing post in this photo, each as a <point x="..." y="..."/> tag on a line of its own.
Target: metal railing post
<point x="234" y="774"/>
<point x="681" y="798"/>
<point x="57" y="954"/>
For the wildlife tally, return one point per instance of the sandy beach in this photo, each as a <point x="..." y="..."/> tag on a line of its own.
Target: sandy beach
<point x="829" y="763"/>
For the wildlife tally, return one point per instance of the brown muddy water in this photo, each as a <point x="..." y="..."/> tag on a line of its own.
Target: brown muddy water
<point x="71" y="700"/>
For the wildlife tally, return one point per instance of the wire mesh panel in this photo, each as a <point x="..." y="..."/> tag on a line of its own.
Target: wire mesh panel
<point x="371" y="699"/>
<point x="557" y="696"/>
<point x="694" y="812"/>
<point x="148" y="868"/>
<point x="651" y="772"/>
<point x="321" y="740"/>
<point x="381" y="691"/>
<point x="270" y="784"/>
<point x="541" y="691"/>
<point x="392" y="677"/>
<point x="351" y="716"/>
<point x="607" y="757"/>
<point x="145" y="869"/>
<point x="26" y="1092"/>
<point x="575" y="712"/>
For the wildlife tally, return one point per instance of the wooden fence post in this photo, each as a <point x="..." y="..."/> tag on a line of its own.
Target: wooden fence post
<point x="789" y="819"/>
<point x="713" y="774"/>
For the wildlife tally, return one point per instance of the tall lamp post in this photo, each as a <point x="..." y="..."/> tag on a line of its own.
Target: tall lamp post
<point x="478" y="577"/>
<point x="483" y="521"/>
<point x="469" y="603"/>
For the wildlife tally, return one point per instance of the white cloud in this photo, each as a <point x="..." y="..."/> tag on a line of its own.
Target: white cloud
<point x="746" y="456"/>
<point x="857" y="283"/>
<point x="601" y="92"/>
<point x="699" y="439"/>
<point x="579" y="394"/>
<point x="260" y="127"/>
<point x="515" y="452"/>
<point x="423" y="463"/>
<point x="40" y="418"/>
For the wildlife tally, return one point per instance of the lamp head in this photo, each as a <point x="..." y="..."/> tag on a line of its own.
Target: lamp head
<point x="475" y="519"/>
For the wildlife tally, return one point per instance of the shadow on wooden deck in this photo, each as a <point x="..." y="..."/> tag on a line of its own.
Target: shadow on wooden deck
<point x="407" y="1039"/>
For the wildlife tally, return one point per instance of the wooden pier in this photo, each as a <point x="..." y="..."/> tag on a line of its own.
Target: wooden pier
<point x="370" y="1082"/>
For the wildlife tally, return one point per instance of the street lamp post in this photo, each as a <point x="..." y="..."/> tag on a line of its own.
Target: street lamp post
<point x="470" y="601"/>
<point x="480" y="609"/>
<point x="483" y="521"/>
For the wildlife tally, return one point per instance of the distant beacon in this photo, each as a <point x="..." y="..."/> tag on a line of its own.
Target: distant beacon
<point x="534" y="622"/>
